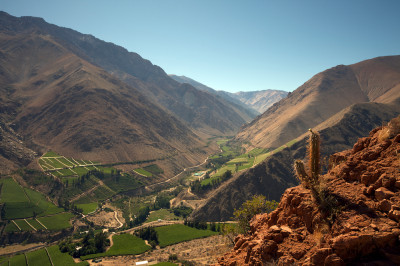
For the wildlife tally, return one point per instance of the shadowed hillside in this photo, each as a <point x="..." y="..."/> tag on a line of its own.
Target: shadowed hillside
<point x="275" y="174"/>
<point x="200" y="110"/>
<point x="56" y="100"/>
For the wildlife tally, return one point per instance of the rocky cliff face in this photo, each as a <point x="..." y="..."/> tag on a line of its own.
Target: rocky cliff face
<point x="365" y="184"/>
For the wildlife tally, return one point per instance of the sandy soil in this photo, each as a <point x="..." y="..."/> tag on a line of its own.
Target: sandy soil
<point x="203" y="251"/>
<point x="19" y="248"/>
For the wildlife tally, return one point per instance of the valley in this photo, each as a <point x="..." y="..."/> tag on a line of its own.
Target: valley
<point x="106" y="158"/>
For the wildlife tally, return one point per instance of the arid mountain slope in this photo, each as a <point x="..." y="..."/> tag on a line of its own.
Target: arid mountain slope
<point x="356" y="224"/>
<point x="260" y="100"/>
<point x="59" y="101"/>
<point x="325" y="94"/>
<point x="244" y="110"/>
<point x="275" y="174"/>
<point x="202" y="111"/>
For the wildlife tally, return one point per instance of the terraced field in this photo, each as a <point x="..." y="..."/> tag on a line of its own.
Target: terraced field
<point x="53" y="256"/>
<point x="61" y="166"/>
<point x="20" y="202"/>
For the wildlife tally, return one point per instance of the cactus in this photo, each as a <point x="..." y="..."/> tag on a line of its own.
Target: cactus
<point x="310" y="179"/>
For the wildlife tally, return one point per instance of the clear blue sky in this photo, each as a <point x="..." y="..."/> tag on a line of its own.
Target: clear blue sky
<point x="234" y="45"/>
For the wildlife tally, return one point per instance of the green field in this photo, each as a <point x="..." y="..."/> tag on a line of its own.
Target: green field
<point x="63" y="259"/>
<point x="35" y="224"/>
<point x="88" y="207"/>
<point x="165" y="263"/>
<point x="66" y="166"/>
<point x="124" y="244"/>
<point x="143" y="172"/>
<point x="38" y="257"/>
<point x="11" y="227"/>
<point x="22" y="202"/>
<point x="50" y="154"/>
<point x="18" y="260"/>
<point x="162" y="214"/>
<point x="23" y="225"/>
<point x="57" y="222"/>
<point x="154" y="169"/>
<point x="176" y="233"/>
<point x="12" y="191"/>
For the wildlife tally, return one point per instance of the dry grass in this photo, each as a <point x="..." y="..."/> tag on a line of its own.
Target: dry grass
<point x="391" y="130"/>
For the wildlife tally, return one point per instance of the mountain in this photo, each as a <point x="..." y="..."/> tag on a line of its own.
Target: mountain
<point x="260" y="100"/>
<point x="325" y="94"/>
<point x="200" y="110"/>
<point x="255" y="101"/>
<point x="52" y="98"/>
<point x="354" y="223"/>
<point x="274" y="175"/>
<point x="244" y="110"/>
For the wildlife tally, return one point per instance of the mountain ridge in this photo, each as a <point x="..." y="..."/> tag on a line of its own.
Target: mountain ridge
<point x="322" y="96"/>
<point x="207" y="114"/>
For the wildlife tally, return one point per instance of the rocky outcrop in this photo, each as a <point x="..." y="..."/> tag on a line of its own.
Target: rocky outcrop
<point x="361" y="227"/>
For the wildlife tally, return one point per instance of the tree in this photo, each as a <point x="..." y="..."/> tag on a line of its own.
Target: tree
<point x="258" y="204"/>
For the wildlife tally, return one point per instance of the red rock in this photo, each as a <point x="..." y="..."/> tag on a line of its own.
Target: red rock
<point x="364" y="225"/>
<point x="385" y="205"/>
<point x="318" y="258"/>
<point x="334" y="260"/>
<point x="383" y="193"/>
<point x="394" y="215"/>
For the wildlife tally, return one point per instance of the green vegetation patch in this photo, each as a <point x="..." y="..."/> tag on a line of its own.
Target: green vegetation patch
<point x="35" y="224"/>
<point x="154" y="169"/>
<point x="87" y="207"/>
<point x="18" y="260"/>
<point x="11" y="227"/>
<point x="165" y="263"/>
<point x="38" y="257"/>
<point x="143" y="172"/>
<point x="60" y="258"/>
<point x="162" y="214"/>
<point x="51" y="154"/>
<point x="23" y="225"/>
<point x="12" y="191"/>
<point x="238" y="160"/>
<point x="176" y="233"/>
<point x="124" y="244"/>
<point x="261" y="158"/>
<point x="57" y="222"/>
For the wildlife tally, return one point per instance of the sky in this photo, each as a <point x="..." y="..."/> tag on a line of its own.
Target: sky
<point x="234" y="45"/>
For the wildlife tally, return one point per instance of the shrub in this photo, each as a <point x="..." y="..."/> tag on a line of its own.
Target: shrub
<point x="258" y="204"/>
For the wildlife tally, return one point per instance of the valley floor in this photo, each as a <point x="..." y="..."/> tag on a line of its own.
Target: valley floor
<point x="204" y="251"/>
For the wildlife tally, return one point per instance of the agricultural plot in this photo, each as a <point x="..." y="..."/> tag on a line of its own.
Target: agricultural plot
<point x="23" y="225"/>
<point x="162" y="214"/>
<point x="35" y="224"/>
<point x="87" y="207"/>
<point x="18" y="260"/>
<point x="176" y="233"/>
<point x="61" y="166"/>
<point x="63" y="259"/>
<point x="22" y="202"/>
<point x="142" y="172"/>
<point x="38" y="257"/>
<point x="11" y="227"/>
<point x="57" y="222"/>
<point x="154" y="169"/>
<point x="124" y="244"/>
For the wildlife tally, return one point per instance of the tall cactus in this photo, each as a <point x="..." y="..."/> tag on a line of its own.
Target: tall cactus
<point x="310" y="179"/>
